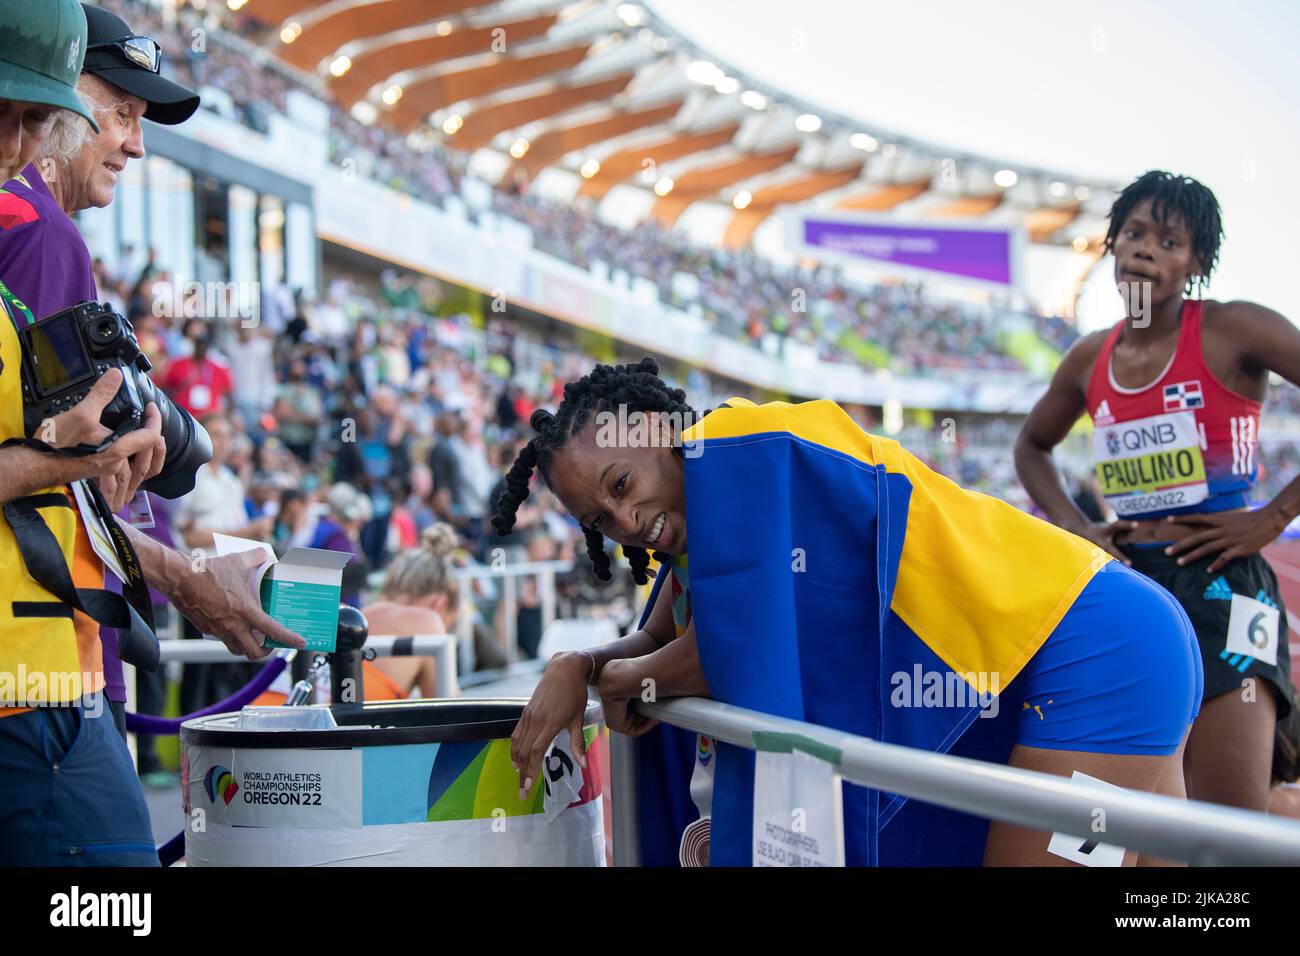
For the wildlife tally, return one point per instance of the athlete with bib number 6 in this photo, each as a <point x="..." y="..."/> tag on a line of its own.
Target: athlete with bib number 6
<point x="1174" y="391"/>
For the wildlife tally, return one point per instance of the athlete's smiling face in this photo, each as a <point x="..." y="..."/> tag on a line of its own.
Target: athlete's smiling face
<point x="633" y="492"/>
<point x="1160" y="253"/>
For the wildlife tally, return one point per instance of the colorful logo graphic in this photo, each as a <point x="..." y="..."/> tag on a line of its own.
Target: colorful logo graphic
<point x="219" y="780"/>
<point x="704" y="750"/>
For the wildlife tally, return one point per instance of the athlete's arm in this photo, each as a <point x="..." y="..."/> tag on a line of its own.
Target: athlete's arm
<point x="1051" y="419"/>
<point x="1268" y="342"/>
<point x="560" y="698"/>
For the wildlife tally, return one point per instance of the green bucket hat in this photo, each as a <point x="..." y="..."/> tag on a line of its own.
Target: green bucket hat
<point x="42" y="46"/>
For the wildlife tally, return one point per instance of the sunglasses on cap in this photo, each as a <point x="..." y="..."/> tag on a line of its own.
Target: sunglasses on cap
<point x="142" y="51"/>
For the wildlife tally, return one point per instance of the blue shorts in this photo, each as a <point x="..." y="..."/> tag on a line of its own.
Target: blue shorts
<point x="1121" y="673"/>
<point x="71" y="795"/>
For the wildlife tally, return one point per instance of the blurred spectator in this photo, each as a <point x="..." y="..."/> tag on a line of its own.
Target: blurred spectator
<point x="419" y="596"/>
<point x="298" y="412"/>
<point x="199" y="382"/>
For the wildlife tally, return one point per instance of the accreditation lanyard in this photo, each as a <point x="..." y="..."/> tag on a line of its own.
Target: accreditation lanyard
<point x="15" y="306"/>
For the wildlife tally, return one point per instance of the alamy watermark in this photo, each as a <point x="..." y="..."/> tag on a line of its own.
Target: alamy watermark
<point x="948" y="689"/>
<point x="37" y="688"/>
<point x="209" y="300"/>
<point x="621" y="428"/>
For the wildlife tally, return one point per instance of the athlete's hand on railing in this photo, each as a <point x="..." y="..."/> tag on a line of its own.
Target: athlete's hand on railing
<point x="558" y="703"/>
<point x="1103" y="535"/>
<point x="619" y="685"/>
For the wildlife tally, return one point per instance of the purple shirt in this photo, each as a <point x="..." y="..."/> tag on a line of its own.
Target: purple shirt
<point x="43" y="258"/>
<point x="45" y="263"/>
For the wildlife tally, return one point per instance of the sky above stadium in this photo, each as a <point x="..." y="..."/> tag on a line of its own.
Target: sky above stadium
<point x="1103" y="88"/>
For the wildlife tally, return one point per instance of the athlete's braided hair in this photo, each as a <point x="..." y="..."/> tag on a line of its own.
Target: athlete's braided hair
<point x="1191" y="200"/>
<point x="637" y="388"/>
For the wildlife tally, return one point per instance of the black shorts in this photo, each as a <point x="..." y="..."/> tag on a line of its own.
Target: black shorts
<point x="1238" y="615"/>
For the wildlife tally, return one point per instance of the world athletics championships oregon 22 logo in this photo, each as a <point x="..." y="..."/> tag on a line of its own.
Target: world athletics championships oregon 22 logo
<point x="219" y="780"/>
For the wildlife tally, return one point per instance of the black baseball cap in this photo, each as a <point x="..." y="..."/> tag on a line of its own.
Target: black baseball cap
<point x="107" y="38"/>
<point x="41" y="46"/>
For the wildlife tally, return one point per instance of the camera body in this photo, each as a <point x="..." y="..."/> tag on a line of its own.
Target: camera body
<point x="64" y="354"/>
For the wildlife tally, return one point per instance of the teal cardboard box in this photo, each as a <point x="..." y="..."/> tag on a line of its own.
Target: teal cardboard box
<point x="302" y="591"/>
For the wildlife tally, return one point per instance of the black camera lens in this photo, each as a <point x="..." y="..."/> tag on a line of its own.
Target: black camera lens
<point x="187" y="442"/>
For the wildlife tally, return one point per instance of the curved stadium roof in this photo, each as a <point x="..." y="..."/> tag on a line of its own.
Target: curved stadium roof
<point x="613" y="94"/>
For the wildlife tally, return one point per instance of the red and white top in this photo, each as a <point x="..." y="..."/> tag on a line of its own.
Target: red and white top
<point x="1184" y="443"/>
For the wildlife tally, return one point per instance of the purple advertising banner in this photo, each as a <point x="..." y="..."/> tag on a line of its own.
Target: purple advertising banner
<point x="982" y="254"/>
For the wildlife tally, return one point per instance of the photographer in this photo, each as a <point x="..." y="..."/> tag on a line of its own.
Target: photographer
<point x="66" y="806"/>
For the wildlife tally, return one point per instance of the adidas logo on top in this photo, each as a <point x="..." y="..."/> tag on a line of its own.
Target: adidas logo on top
<point x="1218" y="590"/>
<point x="1103" y="415"/>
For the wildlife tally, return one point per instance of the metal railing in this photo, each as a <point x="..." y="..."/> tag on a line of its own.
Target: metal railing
<point x="1201" y="834"/>
<point x="544" y="571"/>
<point x="441" y="647"/>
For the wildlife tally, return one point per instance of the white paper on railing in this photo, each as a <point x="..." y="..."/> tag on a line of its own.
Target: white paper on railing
<point x="1088" y="852"/>
<point x="798" y="811"/>
<point x="561" y="776"/>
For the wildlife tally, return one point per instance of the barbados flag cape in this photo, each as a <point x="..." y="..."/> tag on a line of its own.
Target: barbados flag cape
<point x="829" y="570"/>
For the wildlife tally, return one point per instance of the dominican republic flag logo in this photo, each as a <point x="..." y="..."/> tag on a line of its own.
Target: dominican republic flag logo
<point x="1183" y="396"/>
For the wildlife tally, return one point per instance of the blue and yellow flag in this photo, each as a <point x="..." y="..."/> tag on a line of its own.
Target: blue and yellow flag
<point x="830" y="570"/>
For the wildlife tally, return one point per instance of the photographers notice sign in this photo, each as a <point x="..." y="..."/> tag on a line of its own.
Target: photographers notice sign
<point x="798" y="811"/>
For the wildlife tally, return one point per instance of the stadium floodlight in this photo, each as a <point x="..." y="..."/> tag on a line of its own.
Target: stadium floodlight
<point x="727" y="85"/>
<point x="364" y="112"/>
<point x="742" y="199"/>
<point x="452" y="124"/>
<point x="631" y="14"/>
<point x="1081" y="193"/>
<point x="590" y="168"/>
<point x="808" y="123"/>
<point x="236" y="5"/>
<point x="888" y="150"/>
<point x="659" y="44"/>
<point x="392" y="95"/>
<point x="291" y="32"/>
<point x="868" y="144"/>
<point x="519" y="148"/>
<point x="1080" y="243"/>
<point x="704" y="72"/>
<point x="340" y="66"/>
<point x="443" y="27"/>
<point x="754" y="100"/>
<point x="1058" y="189"/>
<point x="664" y="186"/>
<point x="1006" y="178"/>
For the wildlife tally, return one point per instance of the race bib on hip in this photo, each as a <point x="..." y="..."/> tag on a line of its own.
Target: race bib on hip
<point x="1150" y="464"/>
<point x="1252" y="629"/>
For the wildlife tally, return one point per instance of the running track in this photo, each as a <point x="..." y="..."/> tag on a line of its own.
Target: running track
<point x="1285" y="558"/>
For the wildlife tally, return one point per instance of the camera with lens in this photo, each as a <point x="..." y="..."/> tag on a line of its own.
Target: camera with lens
<point x="62" y="357"/>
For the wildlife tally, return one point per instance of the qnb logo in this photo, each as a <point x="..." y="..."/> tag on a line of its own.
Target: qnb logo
<point x="220" y="782"/>
<point x="75" y="908"/>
